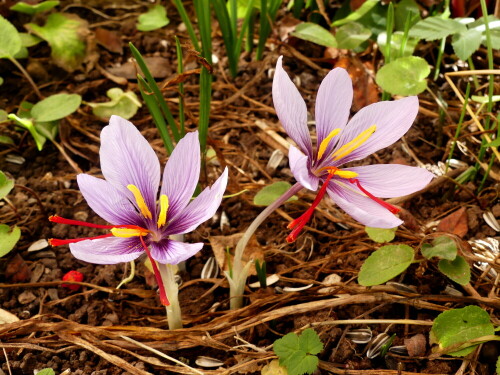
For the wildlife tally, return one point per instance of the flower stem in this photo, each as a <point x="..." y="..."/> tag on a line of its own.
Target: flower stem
<point x="237" y="291"/>
<point x="174" y="315"/>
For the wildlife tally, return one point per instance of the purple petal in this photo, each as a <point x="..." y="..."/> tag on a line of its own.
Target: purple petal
<point x="360" y="207"/>
<point x="202" y="208"/>
<point x="291" y="109"/>
<point x="109" y="250"/>
<point x="173" y="252"/>
<point x="127" y="158"/>
<point x="333" y="105"/>
<point x="393" y="119"/>
<point x="392" y="180"/>
<point x="301" y="169"/>
<point x="106" y="201"/>
<point x="182" y="173"/>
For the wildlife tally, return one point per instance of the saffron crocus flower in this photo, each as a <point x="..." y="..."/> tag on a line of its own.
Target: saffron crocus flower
<point x="357" y="190"/>
<point x="128" y="199"/>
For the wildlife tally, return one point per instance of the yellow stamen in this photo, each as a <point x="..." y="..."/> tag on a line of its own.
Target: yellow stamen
<point x="339" y="172"/>
<point x="129" y="232"/>
<point x="324" y="143"/>
<point x="354" y="144"/>
<point x="140" y="201"/>
<point x="162" y="218"/>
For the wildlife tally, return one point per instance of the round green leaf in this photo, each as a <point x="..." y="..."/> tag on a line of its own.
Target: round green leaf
<point x="381" y="235"/>
<point x="459" y="326"/>
<point x="6" y="185"/>
<point x="384" y="264"/>
<point x="8" y="239"/>
<point x="404" y="76"/>
<point x="351" y="35"/>
<point x="154" y="18"/>
<point x="55" y="107"/>
<point x="123" y="104"/>
<point x="442" y="247"/>
<point x="270" y="193"/>
<point x="315" y="33"/>
<point x="458" y="269"/>
<point x="10" y="41"/>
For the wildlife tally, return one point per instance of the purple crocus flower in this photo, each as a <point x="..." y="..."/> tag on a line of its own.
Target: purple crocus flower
<point x="128" y="199"/>
<point x="355" y="189"/>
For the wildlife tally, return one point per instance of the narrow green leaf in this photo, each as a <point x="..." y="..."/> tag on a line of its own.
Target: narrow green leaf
<point x="358" y="13"/>
<point x="8" y="238"/>
<point x="433" y="28"/>
<point x="381" y="235"/>
<point x="315" y="33"/>
<point x="404" y="76"/>
<point x="154" y="18"/>
<point x="404" y="9"/>
<point x="6" y="185"/>
<point x="384" y="264"/>
<point x="123" y="104"/>
<point x="10" y="41"/>
<point x="65" y="34"/>
<point x="466" y="43"/>
<point x="33" y="9"/>
<point x="56" y="107"/>
<point x="268" y="194"/>
<point x="459" y="326"/>
<point x="442" y="247"/>
<point x="351" y="35"/>
<point x="457" y="270"/>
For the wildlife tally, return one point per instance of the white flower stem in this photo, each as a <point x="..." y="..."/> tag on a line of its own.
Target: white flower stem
<point x="174" y="315"/>
<point x="239" y="273"/>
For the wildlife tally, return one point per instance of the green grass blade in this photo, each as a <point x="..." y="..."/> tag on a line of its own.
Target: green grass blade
<point x="156" y="113"/>
<point x="297" y="8"/>
<point x="264" y="29"/>
<point x="250" y="31"/>
<point x="228" y="34"/>
<point x="244" y="27"/>
<point x="459" y="126"/>
<point x="189" y="26"/>
<point x="180" y="70"/>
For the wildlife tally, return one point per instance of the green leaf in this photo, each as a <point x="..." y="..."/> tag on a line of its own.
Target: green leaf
<point x="10" y="41"/>
<point x="432" y="28"/>
<point x="28" y="125"/>
<point x="8" y="239"/>
<point x="268" y="194"/>
<point x="457" y="270"/>
<point x="466" y="43"/>
<point x="485" y="99"/>
<point x="357" y="14"/>
<point x="351" y="35"/>
<point x="396" y="41"/>
<point x="6" y="140"/>
<point x="46" y="371"/>
<point x="442" y="247"/>
<point x="404" y="9"/>
<point x="495" y="143"/>
<point x="315" y="33"/>
<point x="297" y="353"/>
<point x="461" y="325"/>
<point x="34" y="9"/>
<point x="123" y="104"/>
<point x="384" y="264"/>
<point x="495" y="39"/>
<point x="29" y="40"/>
<point x="6" y="185"/>
<point x="154" y="18"/>
<point x="498" y="365"/>
<point x="404" y="76"/>
<point x="56" y="107"/>
<point x="3" y="116"/>
<point x="65" y="34"/>
<point x="381" y="235"/>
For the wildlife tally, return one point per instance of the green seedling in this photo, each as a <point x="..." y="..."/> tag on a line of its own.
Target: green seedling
<point x="261" y="272"/>
<point x="123" y="104"/>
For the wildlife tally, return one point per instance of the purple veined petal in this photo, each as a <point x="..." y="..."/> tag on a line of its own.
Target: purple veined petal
<point x="127" y="158"/>
<point x="202" y="208"/>
<point x="360" y="207"/>
<point x="291" y="109"/>
<point x="392" y="119"/>
<point x="301" y="169"/>
<point x="109" y="250"/>
<point x="182" y="173"/>
<point x="173" y="252"/>
<point x="392" y="180"/>
<point x="107" y="202"/>
<point x="333" y="105"/>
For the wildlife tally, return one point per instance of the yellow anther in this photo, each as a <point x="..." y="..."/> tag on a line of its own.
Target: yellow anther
<point x="129" y="232"/>
<point x="354" y="144"/>
<point x="162" y="218"/>
<point x="140" y="201"/>
<point x="338" y="172"/>
<point x="324" y="143"/>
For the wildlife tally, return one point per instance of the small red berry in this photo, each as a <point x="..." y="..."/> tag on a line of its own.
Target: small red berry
<point x="72" y="276"/>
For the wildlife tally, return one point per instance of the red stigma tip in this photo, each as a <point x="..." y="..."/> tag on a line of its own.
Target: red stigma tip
<point x="393" y="209"/>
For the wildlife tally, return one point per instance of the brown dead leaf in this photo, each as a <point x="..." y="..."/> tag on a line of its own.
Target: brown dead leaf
<point x="455" y="223"/>
<point x="158" y="66"/>
<point x="109" y="39"/>
<point x="416" y="345"/>
<point x="221" y="243"/>
<point x="17" y="270"/>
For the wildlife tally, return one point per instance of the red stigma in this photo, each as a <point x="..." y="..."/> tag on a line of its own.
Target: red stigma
<point x="390" y="207"/>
